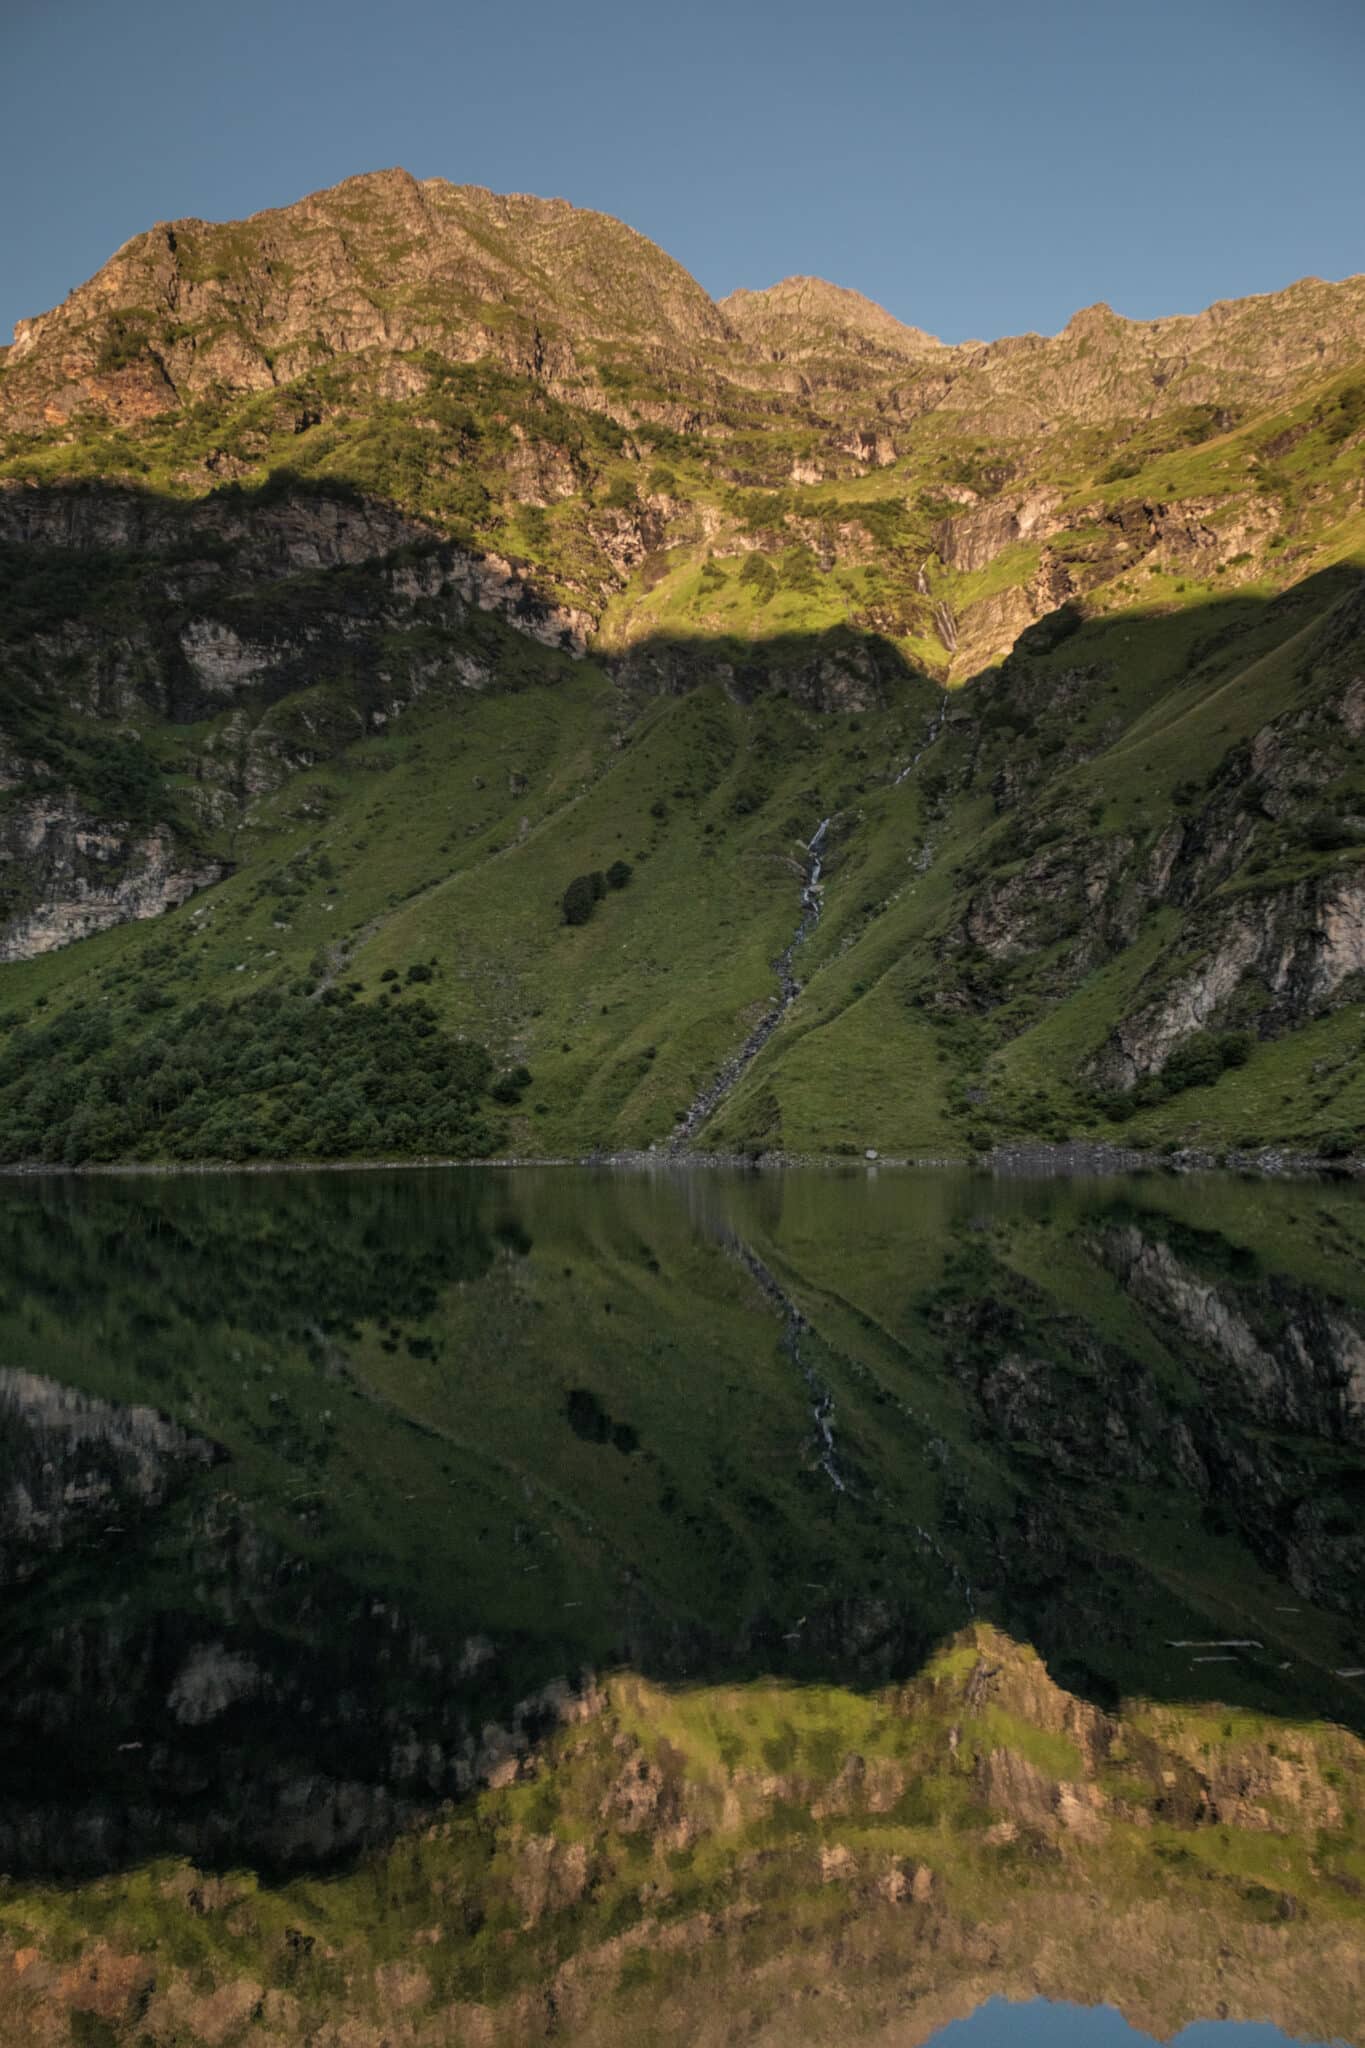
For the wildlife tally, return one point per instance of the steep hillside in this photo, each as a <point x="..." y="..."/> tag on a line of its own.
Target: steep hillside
<point x="376" y="567"/>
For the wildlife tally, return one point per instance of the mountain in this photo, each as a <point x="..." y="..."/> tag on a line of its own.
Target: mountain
<point x="378" y="567"/>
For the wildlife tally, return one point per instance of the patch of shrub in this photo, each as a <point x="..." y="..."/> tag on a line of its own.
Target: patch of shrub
<point x="759" y="575"/>
<point x="1328" y="832"/>
<point x="1347" y="415"/>
<point x="1202" y="1058"/>
<point x="125" y="340"/>
<point x="275" y="1076"/>
<point x="578" y="900"/>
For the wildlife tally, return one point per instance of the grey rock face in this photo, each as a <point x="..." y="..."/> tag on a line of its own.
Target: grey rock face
<point x="71" y="1459"/>
<point x="243" y="611"/>
<point x="1302" y="946"/>
<point x="82" y="874"/>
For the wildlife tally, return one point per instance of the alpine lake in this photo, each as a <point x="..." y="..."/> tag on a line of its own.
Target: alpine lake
<point x="682" y="1606"/>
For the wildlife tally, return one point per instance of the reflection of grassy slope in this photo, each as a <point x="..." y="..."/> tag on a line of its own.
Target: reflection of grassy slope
<point x="928" y="1284"/>
<point x="411" y="1430"/>
<point x="390" y="1361"/>
<point x="798" y="1863"/>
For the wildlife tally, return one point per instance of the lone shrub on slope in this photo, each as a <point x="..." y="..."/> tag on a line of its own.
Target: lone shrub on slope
<point x="579" y="898"/>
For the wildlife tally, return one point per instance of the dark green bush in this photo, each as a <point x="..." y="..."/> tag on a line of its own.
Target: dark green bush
<point x="760" y="576"/>
<point x="578" y="900"/>
<point x="1347" y="415"/>
<point x="125" y="340"/>
<point x="1202" y="1058"/>
<point x="1328" y="832"/>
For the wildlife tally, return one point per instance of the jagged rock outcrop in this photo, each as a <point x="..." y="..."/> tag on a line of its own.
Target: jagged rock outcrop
<point x="65" y="874"/>
<point x="975" y="536"/>
<point x="831" y="673"/>
<point x="74" y="1462"/>
<point x="1300" y="949"/>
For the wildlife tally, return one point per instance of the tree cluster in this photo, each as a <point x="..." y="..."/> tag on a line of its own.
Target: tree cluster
<point x="585" y="892"/>
<point x="275" y="1076"/>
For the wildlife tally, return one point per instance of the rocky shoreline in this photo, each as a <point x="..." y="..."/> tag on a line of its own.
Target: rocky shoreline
<point x="1078" y="1158"/>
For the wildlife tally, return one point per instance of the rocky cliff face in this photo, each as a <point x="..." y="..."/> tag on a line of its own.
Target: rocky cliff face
<point x="76" y="874"/>
<point x="1299" y="951"/>
<point x="287" y="632"/>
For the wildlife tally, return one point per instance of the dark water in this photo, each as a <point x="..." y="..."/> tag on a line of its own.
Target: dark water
<point x="328" y="1501"/>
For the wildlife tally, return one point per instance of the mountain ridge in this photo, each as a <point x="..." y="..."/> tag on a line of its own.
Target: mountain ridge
<point x="395" y="177"/>
<point x="466" y="222"/>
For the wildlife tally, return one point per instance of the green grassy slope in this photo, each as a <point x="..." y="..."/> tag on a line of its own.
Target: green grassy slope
<point x="446" y="844"/>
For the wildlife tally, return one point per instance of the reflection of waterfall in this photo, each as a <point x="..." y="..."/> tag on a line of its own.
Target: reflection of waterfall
<point x="709" y="1098"/>
<point x="795" y="1328"/>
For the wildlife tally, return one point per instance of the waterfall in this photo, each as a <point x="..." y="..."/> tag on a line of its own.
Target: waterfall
<point x="713" y="1094"/>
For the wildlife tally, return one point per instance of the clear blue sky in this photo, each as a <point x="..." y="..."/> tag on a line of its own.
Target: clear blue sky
<point x="979" y="166"/>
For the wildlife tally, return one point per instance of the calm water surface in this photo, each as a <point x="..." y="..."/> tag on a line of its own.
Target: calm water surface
<point x="687" y="1608"/>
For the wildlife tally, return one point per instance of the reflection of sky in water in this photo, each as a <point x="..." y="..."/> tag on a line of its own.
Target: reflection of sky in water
<point x="1042" y="2024"/>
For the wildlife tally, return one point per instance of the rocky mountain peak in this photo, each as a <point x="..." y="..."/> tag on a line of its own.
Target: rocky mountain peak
<point x="809" y="315"/>
<point x="379" y="262"/>
<point x="385" y="268"/>
<point x="1090" y="320"/>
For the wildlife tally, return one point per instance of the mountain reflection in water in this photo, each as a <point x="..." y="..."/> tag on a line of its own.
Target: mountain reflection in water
<point x="678" y="1605"/>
